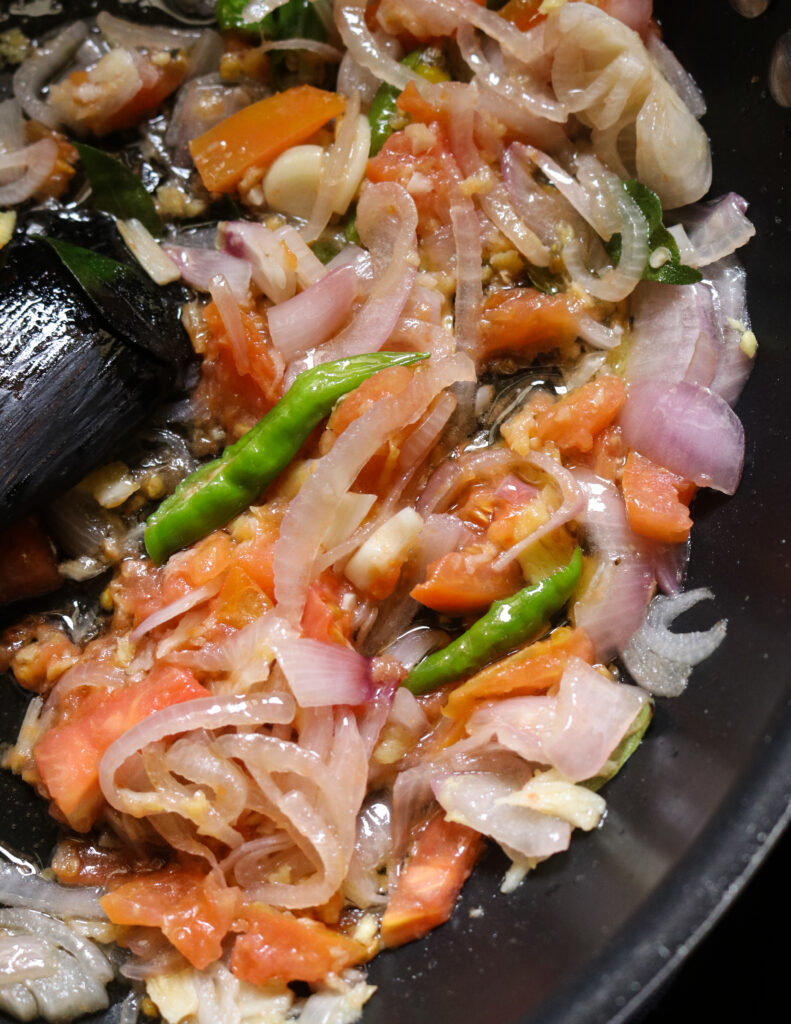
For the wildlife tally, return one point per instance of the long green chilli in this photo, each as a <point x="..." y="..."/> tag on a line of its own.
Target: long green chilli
<point x="506" y="625"/>
<point x="220" y="490"/>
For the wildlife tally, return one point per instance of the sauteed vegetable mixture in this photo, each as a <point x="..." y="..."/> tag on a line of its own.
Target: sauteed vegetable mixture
<point x="386" y="557"/>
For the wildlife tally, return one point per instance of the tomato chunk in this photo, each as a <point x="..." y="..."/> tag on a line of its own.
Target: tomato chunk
<point x="656" y="500"/>
<point x="579" y="417"/>
<point x="525" y="319"/>
<point x="441" y="860"/>
<point x="191" y="909"/>
<point x="279" y="947"/>
<point x="68" y="756"/>
<point x="462" y="581"/>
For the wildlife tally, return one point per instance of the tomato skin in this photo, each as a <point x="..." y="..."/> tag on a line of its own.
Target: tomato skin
<point x="190" y="908"/>
<point x="442" y="858"/>
<point x="279" y="947"/>
<point x="68" y="755"/>
<point x="656" y="500"/>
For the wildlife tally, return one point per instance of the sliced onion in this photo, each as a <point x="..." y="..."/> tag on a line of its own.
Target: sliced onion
<point x="339" y="165"/>
<point x="672" y="150"/>
<point x="469" y="292"/>
<point x="36" y="893"/>
<point x="159" y="266"/>
<point x="231" y="316"/>
<point x="34" y="73"/>
<point x="717" y="229"/>
<point x="478" y="800"/>
<point x="266" y="253"/>
<point x="412" y="646"/>
<point x="495" y="202"/>
<point x="728" y="283"/>
<point x="315" y="315"/>
<point x="667" y="321"/>
<point x="321" y="674"/>
<point x="23" y="958"/>
<point x="688" y="430"/>
<point x="661" y="661"/>
<point x="171" y="611"/>
<point x="309" y="267"/>
<point x="33" y="165"/>
<point x="133" y="35"/>
<point x="677" y="75"/>
<point x="367" y="51"/>
<point x="513" y="88"/>
<point x="198" y="267"/>
<point x="613" y="607"/>
<point x="200" y="713"/>
<point x="12" y="135"/>
<point x="387" y="222"/>
<point x="572" y="505"/>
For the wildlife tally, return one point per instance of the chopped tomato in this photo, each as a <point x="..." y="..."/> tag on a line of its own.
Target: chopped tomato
<point x="522" y="13"/>
<point x="234" y="390"/>
<point x="241" y="600"/>
<point x="255" y="135"/>
<point x="68" y="755"/>
<point x="534" y="669"/>
<point x="609" y="452"/>
<point x="426" y="169"/>
<point x="63" y="171"/>
<point x="441" y="860"/>
<point x="191" y="909"/>
<point x="525" y="319"/>
<point x="574" y="421"/>
<point x="656" y="500"/>
<point x="197" y="565"/>
<point x="255" y="557"/>
<point x="323" y="617"/>
<point x="27" y="562"/>
<point x="391" y="381"/>
<point x="279" y="947"/>
<point x="465" y="581"/>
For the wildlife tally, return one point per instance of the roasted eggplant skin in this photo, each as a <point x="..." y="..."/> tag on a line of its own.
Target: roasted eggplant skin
<point x="74" y="386"/>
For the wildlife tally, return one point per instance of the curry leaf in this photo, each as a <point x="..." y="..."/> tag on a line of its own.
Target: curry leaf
<point x="116" y="190"/>
<point x="672" y="271"/>
<point x="132" y="306"/>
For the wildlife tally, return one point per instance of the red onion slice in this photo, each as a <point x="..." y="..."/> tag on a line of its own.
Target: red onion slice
<point x="322" y="674"/>
<point x="387" y="224"/>
<point x="34" y="73"/>
<point x="34" y="164"/>
<point x="688" y="430"/>
<point x="717" y="229"/>
<point x="200" y="266"/>
<point x="315" y="315"/>
<point x="267" y="254"/>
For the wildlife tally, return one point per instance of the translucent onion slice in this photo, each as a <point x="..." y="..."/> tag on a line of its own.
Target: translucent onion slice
<point x="688" y="429"/>
<point x="661" y="661"/>
<point x="321" y="674"/>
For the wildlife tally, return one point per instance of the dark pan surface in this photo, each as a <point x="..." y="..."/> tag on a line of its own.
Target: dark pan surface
<point x="594" y="933"/>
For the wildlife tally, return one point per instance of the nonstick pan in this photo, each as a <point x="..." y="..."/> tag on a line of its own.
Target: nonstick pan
<point x="593" y="935"/>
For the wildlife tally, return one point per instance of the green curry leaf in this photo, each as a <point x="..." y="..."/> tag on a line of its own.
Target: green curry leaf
<point x="672" y="271"/>
<point x="117" y="190"/>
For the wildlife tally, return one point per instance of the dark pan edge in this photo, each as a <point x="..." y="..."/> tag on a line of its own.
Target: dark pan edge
<point x="622" y="980"/>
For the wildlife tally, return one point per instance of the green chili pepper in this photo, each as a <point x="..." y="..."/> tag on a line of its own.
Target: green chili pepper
<point x="624" y="750"/>
<point x="507" y="624"/>
<point x="384" y="113"/>
<point x="230" y="18"/>
<point x="226" y="486"/>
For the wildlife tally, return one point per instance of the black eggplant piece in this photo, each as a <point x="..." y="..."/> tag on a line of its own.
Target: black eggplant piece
<point x="79" y="374"/>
